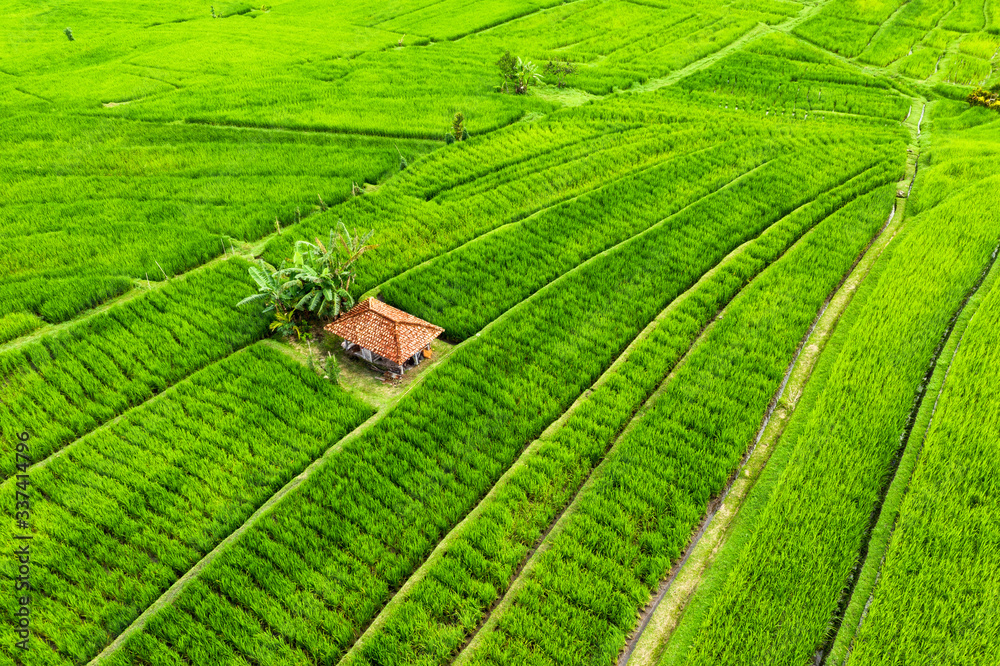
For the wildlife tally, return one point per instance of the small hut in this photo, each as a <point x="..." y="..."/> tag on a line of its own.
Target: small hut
<point x="384" y="336"/>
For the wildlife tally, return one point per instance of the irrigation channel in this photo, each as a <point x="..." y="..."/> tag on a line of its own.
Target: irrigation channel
<point x="662" y="615"/>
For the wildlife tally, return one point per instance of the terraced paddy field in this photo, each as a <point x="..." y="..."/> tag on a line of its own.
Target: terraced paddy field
<point x="717" y="382"/>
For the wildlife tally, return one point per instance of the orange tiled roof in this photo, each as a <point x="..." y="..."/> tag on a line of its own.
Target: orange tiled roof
<point x="384" y="330"/>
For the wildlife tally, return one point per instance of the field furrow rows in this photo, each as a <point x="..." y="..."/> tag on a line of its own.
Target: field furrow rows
<point x="602" y="612"/>
<point x="860" y="599"/>
<point x="444" y="492"/>
<point x="560" y="457"/>
<point x="827" y="434"/>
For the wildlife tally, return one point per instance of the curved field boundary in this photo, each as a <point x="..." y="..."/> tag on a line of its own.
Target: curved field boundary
<point x="178" y="587"/>
<point x="878" y="545"/>
<point x="532" y="450"/>
<point x="151" y="285"/>
<point x="561" y="522"/>
<point x="62" y="387"/>
<point x="663" y="614"/>
<point x="817" y="580"/>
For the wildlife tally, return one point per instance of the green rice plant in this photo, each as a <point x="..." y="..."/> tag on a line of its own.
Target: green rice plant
<point x="133" y="505"/>
<point x="925" y="14"/>
<point x="780" y="602"/>
<point x="537" y="169"/>
<point x="846" y="36"/>
<point x="967" y="16"/>
<point x="966" y="70"/>
<point x="474" y="188"/>
<point x="634" y="519"/>
<point x="66" y="384"/>
<point x="16" y="324"/>
<point x="865" y="11"/>
<point x="920" y="64"/>
<point x="892" y="44"/>
<point x="939" y="548"/>
<point x="615" y="45"/>
<point x="773" y="79"/>
<point x="964" y="149"/>
<point x="982" y="45"/>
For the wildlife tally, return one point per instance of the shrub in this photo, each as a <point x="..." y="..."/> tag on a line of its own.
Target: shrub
<point x="458" y="131"/>
<point x="987" y="98"/>
<point x="516" y="74"/>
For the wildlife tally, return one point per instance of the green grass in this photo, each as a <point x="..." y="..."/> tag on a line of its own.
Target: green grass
<point x="782" y="590"/>
<point x="133" y="505"/>
<point x="62" y="386"/>
<point x="776" y="75"/>
<point x="93" y="204"/>
<point x="137" y="157"/>
<point x="889" y="513"/>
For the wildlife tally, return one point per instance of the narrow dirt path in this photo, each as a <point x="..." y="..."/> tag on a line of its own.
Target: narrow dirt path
<point x="524" y="571"/>
<point x="663" y="615"/>
<point x="177" y="587"/>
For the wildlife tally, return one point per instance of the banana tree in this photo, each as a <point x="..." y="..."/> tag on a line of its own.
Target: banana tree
<point x="269" y="288"/>
<point x="317" y="283"/>
<point x="324" y="274"/>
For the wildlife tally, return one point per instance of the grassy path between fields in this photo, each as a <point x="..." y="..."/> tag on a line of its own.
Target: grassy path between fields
<point x="559" y="522"/>
<point x="663" y="615"/>
<point x="807" y="12"/>
<point x="503" y="22"/>
<point x="178" y="586"/>
<point x="531" y="450"/>
<point x="877" y="546"/>
<point x="890" y="21"/>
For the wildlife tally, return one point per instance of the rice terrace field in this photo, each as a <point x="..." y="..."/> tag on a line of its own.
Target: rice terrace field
<point x="507" y="332"/>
